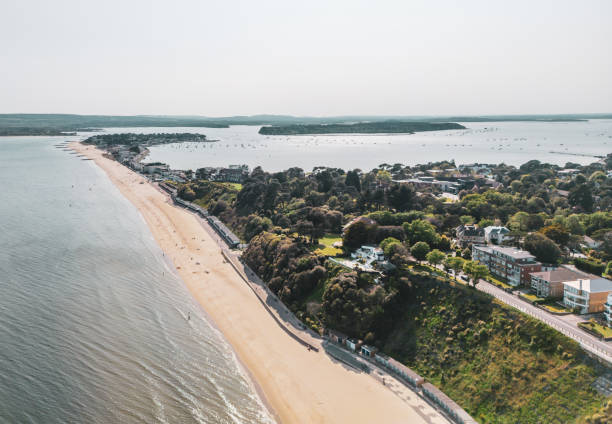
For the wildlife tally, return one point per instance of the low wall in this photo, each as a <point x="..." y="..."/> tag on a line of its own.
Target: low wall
<point x="265" y="305"/>
<point x="583" y="326"/>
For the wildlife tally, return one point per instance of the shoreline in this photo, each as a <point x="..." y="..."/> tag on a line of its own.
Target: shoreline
<point x="295" y="384"/>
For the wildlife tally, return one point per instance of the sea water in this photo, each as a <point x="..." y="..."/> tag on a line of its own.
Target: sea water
<point x="95" y="327"/>
<point x="513" y="143"/>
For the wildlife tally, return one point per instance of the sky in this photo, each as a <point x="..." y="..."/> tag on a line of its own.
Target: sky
<point x="315" y="58"/>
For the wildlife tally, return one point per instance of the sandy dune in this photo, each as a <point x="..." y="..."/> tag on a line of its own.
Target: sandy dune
<point x="299" y="386"/>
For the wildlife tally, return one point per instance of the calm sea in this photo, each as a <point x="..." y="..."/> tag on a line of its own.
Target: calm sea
<point x="93" y="322"/>
<point x="493" y="142"/>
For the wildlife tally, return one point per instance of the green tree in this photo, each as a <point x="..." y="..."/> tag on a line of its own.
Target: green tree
<point x="582" y="197"/>
<point x="357" y="234"/>
<point x="420" y="250"/>
<point x="475" y="271"/>
<point x="383" y="176"/>
<point x="543" y="248"/>
<point x="421" y="230"/>
<point x="455" y="263"/>
<point x="435" y="257"/>
<point x="255" y="225"/>
<point x="352" y="179"/>
<point x="556" y="233"/>
<point x="400" y="197"/>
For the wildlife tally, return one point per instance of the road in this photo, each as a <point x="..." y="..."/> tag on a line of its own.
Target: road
<point x="588" y="342"/>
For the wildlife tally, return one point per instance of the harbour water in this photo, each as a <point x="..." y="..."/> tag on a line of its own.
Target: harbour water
<point x="95" y="327"/>
<point x="513" y="143"/>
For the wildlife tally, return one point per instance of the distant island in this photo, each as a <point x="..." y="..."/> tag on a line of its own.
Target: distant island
<point x="387" y="127"/>
<point x="132" y="139"/>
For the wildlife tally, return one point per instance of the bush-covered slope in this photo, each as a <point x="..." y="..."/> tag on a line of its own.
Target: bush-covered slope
<point x="500" y="365"/>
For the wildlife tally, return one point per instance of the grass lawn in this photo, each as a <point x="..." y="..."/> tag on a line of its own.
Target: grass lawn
<point x="600" y="329"/>
<point x="325" y="247"/>
<point x="553" y="306"/>
<point x="235" y="186"/>
<point x="532" y="297"/>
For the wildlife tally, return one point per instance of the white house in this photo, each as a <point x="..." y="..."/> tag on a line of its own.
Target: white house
<point x="496" y="235"/>
<point x="588" y="295"/>
<point x="369" y="253"/>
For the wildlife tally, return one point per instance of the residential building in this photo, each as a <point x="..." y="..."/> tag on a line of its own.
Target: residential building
<point x="587" y="296"/>
<point x="424" y="182"/>
<point x="233" y="174"/>
<point x="371" y="257"/>
<point x="470" y="234"/>
<point x="155" y="168"/>
<point x="476" y="168"/>
<point x="590" y="243"/>
<point x="608" y="310"/>
<point x="497" y="235"/>
<point x="369" y="253"/>
<point x="550" y="283"/>
<point x="508" y="263"/>
<point x="568" y="172"/>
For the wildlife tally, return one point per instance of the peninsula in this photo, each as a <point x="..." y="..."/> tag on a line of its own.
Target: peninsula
<point x="387" y="127"/>
<point x="132" y="139"/>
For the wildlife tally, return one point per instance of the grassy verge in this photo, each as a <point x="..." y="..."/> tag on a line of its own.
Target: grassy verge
<point x="532" y="298"/>
<point x="553" y="306"/>
<point x="498" y="283"/>
<point x="597" y="328"/>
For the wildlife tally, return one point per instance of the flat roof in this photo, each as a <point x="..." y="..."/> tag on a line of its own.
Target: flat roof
<point x="595" y="285"/>
<point x="513" y="252"/>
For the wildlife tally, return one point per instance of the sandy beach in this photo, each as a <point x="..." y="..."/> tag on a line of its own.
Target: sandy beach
<point x="298" y="385"/>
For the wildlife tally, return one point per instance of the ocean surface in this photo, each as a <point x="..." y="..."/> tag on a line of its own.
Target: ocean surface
<point x="513" y="143"/>
<point x="94" y="326"/>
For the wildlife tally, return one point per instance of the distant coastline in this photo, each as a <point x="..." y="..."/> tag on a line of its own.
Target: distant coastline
<point x="388" y="127"/>
<point x="22" y="124"/>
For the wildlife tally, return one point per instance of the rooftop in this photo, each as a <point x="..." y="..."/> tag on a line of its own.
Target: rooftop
<point x="595" y="285"/>
<point x="513" y="252"/>
<point x="561" y="274"/>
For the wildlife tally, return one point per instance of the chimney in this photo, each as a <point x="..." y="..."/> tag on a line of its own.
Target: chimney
<point x="580" y="285"/>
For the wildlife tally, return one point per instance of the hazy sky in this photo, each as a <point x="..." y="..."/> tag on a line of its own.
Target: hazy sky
<point x="306" y="57"/>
